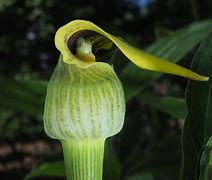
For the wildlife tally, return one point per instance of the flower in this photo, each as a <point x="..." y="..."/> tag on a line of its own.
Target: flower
<point x="85" y="101"/>
<point x="67" y="35"/>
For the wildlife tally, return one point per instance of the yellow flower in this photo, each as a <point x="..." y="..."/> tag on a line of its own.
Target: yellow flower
<point x="66" y="36"/>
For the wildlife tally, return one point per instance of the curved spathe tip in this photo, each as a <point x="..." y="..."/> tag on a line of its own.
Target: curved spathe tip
<point x="135" y="55"/>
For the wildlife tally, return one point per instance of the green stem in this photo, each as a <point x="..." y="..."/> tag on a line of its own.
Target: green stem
<point x="83" y="159"/>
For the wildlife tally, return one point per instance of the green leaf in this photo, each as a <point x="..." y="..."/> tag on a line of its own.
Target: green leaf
<point x="198" y="125"/>
<point x="175" y="107"/>
<point x="48" y="169"/>
<point x="141" y="177"/>
<point x="206" y="162"/>
<point x="26" y="96"/>
<point x="161" y="159"/>
<point x="172" y="47"/>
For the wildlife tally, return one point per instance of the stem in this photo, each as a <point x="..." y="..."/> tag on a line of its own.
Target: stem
<point x="83" y="159"/>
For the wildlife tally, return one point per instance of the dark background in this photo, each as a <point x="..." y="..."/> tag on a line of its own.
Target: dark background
<point x="27" y="51"/>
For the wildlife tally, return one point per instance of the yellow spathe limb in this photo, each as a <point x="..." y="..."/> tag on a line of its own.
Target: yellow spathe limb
<point x="137" y="56"/>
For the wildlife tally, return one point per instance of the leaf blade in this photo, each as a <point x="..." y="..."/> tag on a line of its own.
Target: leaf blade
<point x="206" y="162"/>
<point x="48" y="169"/>
<point x="172" y="106"/>
<point x="198" y="126"/>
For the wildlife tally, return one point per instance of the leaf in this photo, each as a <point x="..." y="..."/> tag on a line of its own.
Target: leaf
<point x="26" y="96"/>
<point x="141" y="177"/>
<point x="161" y="159"/>
<point x="172" y="48"/>
<point x="175" y="107"/>
<point x="198" y="125"/>
<point x="48" y="169"/>
<point x="206" y="162"/>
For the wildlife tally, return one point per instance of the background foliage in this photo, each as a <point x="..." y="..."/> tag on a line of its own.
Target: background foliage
<point x="149" y="146"/>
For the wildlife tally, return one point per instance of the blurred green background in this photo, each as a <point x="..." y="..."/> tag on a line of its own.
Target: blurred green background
<point x="149" y="146"/>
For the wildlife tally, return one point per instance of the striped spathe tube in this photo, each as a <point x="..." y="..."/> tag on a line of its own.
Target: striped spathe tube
<point x="83" y="103"/>
<point x="83" y="107"/>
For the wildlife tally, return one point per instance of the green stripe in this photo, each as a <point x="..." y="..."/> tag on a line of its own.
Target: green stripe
<point x="94" y="94"/>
